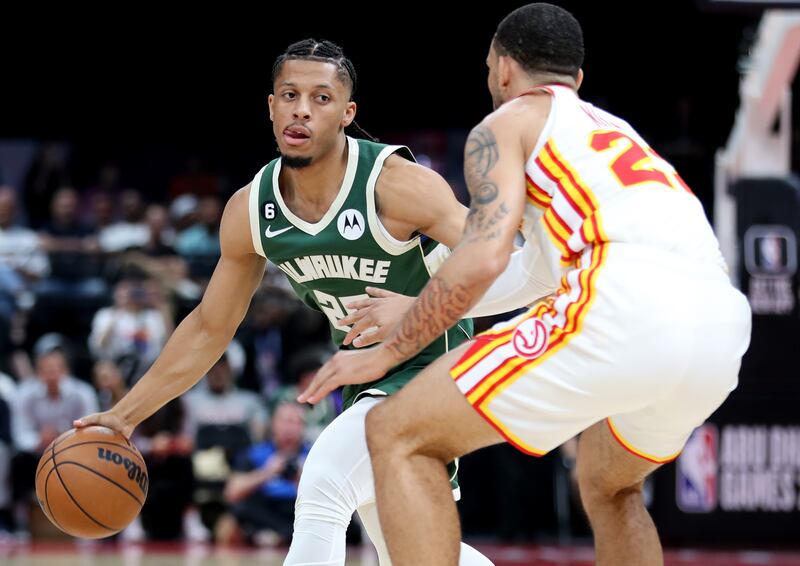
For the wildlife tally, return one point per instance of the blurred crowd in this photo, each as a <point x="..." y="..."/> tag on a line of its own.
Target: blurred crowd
<point x="92" y="282"/>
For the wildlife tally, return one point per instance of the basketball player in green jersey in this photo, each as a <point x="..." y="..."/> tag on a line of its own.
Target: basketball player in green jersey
<point x="336" y="214"/>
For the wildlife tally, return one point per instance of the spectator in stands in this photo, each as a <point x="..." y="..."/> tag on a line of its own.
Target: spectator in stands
<point x="109" y="382"/>
<point x="100" y="212"/>
<point x="217" y="401"/>
<point x="26" y="369"/>
<point x="300" y="370"/>
<point x="263" y="490"/>
<point x="22" y="260"/>
<point x="165" y="441"/>
<point x="44" y="408"/>
<point x="8" y="388"/>
<point x="202" y="239"/>
<point x="64" y="231"/>
<point x="71" y="247"/>
<point x="225" y="420"/>
<point x="161" y="235"/>
<point x="47" y="173"/>
<point x="6" y="515"/>
<point x="158" y="258"/>
<point x="183" y="212"/>
<point x="133" y="330"/>
<point x="277" y="326"/>
<point x="131" y="232"/>
<point x="108" y="183"/>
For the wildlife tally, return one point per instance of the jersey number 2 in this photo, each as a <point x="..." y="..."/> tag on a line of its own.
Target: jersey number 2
<point x="634" y="164"/>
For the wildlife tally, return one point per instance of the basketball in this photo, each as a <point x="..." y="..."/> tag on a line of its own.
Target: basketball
<point x="91" y="482"/>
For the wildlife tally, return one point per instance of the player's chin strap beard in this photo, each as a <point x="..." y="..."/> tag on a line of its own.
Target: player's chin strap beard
<point x="293" y="162"/>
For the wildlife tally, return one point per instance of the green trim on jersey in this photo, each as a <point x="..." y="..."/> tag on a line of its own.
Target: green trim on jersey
<point x="330" y="262"/>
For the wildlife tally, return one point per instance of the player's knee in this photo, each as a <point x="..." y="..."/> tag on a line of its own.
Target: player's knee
<point x="324" y="494"/>
<point x="380" y="433"/>
<point x="387" y="432"/>
<point x="598" y="490"/>
<point x="394" y="434"/>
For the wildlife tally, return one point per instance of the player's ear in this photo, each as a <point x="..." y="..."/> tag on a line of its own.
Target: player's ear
<point x="579" y="78"/>
<point x="270" y="100"/>
<point x="505" y="66"/>
<point x="349" y="114"/>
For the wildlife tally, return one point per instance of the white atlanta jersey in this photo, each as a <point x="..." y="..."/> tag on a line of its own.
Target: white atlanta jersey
<point x="645" y="329"/>
<point x="591" y="179"/>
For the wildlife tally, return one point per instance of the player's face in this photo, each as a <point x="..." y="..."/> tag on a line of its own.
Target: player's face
<point x="492" y="61"/>
<point x="309" y="109"/>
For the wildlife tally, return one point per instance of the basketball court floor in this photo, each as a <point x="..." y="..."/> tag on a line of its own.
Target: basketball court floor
<point x="192" y="555"/>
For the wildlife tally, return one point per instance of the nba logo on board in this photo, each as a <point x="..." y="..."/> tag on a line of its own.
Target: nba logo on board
<point x="530" y="339"/>
<point x="770" y="250"/>
<point x="696" y="472"/>
<point x="350" y="224"/>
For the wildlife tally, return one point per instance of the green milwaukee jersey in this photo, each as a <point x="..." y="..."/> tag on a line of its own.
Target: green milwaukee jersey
<point x="329" y="263"/>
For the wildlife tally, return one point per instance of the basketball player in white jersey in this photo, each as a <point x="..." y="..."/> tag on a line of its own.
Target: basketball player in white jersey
<point x="641" y="343"/>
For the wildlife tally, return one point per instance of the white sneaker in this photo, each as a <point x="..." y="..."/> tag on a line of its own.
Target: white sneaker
<point x="193" y="528"/>
<point x="267" y="538"/>
<point x="133" y="532"/>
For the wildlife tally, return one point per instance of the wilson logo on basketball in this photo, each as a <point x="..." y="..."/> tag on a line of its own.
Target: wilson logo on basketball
<point x="530" y="339"/>
<point x="135" y="472"/>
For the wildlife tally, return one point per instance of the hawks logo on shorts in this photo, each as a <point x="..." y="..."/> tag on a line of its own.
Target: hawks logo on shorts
<point x="530" y="339"/>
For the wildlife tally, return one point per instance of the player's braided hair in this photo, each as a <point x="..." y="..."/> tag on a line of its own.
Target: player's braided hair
<point x="327" y="52"/>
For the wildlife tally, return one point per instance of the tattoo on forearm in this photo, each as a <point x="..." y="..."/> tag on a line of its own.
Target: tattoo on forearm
<point x="484" y="225"/>
<point x="438" y="308"/>
<point x="442" y="303"/>
<point x="485" y="211"/>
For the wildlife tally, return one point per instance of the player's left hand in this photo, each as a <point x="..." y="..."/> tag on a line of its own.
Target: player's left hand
<point x="348" y="368"/>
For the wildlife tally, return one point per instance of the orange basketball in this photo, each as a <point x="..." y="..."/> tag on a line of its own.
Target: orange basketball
<point x="91" y="482"/>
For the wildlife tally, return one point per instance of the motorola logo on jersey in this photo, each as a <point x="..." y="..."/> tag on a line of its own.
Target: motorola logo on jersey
<point x="530" y="339"/>
<point x="351" y="224"/>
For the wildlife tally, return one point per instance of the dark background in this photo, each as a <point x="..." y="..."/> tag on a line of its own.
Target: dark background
<point x="194" y="81"/>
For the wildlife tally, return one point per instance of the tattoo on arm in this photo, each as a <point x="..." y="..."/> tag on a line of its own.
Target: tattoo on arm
<point x="485" y="211"/>
<point x="446" y="298"/>
<point x="436" y="310"/>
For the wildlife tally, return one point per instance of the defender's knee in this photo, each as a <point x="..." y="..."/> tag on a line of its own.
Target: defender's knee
<point x="390" y="434"/>
<point x="393" y="432"/>
<point x="381" y="434"/>
<point x="598" y="490"/>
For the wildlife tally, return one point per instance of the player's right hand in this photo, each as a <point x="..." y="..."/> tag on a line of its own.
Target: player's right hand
<point x="374" y="318"/>
<point x="107" y="419"/>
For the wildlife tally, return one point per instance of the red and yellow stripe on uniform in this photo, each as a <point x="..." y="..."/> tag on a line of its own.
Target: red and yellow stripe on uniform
<point x="537" y="196"/>
<point x="491" y="364"/>
<point x="571" y="217"/>
<point x="635" y="451"/>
